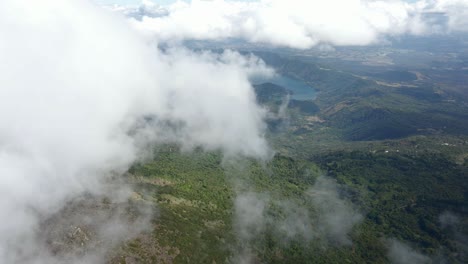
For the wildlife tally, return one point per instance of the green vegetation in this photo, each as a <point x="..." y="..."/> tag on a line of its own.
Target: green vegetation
<point x="401" y="196"/>
<point x="359" y="108"/>
<point x="399" y="155"/>
<point x="269" y="92"/>
<point x="405" y="195"/>
<point x="396" y="76"/>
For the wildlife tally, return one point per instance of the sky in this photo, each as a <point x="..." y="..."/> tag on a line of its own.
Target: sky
<point x="166" y="2"/>
<point x="160" y="2"/>
<point x="132" y="2"/>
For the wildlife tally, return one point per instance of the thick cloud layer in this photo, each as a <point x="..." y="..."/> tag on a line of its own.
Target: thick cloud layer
<point x="79" y="94"/>
<point x="305" y="23"/>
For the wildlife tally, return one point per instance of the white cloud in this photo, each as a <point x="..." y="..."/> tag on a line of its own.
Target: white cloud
<point x="145" y="9"/>
<point x="303" y="23"/>
<point x="400" y="253"/>
<point x="74" y="80"/>
<point x="324" y="217"/>
<point x="455" y="11"/>
<point x="337" y="217"/>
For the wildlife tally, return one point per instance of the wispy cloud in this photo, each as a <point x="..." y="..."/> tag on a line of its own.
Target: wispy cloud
<point x="401" y="253"/>
<point x="324" y="217"/>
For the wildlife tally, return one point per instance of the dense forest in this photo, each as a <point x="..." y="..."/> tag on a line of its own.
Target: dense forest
<point x="364" y="173"/>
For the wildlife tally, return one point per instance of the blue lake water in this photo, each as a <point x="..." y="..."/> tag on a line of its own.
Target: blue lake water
<point x="300" y="89"/>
